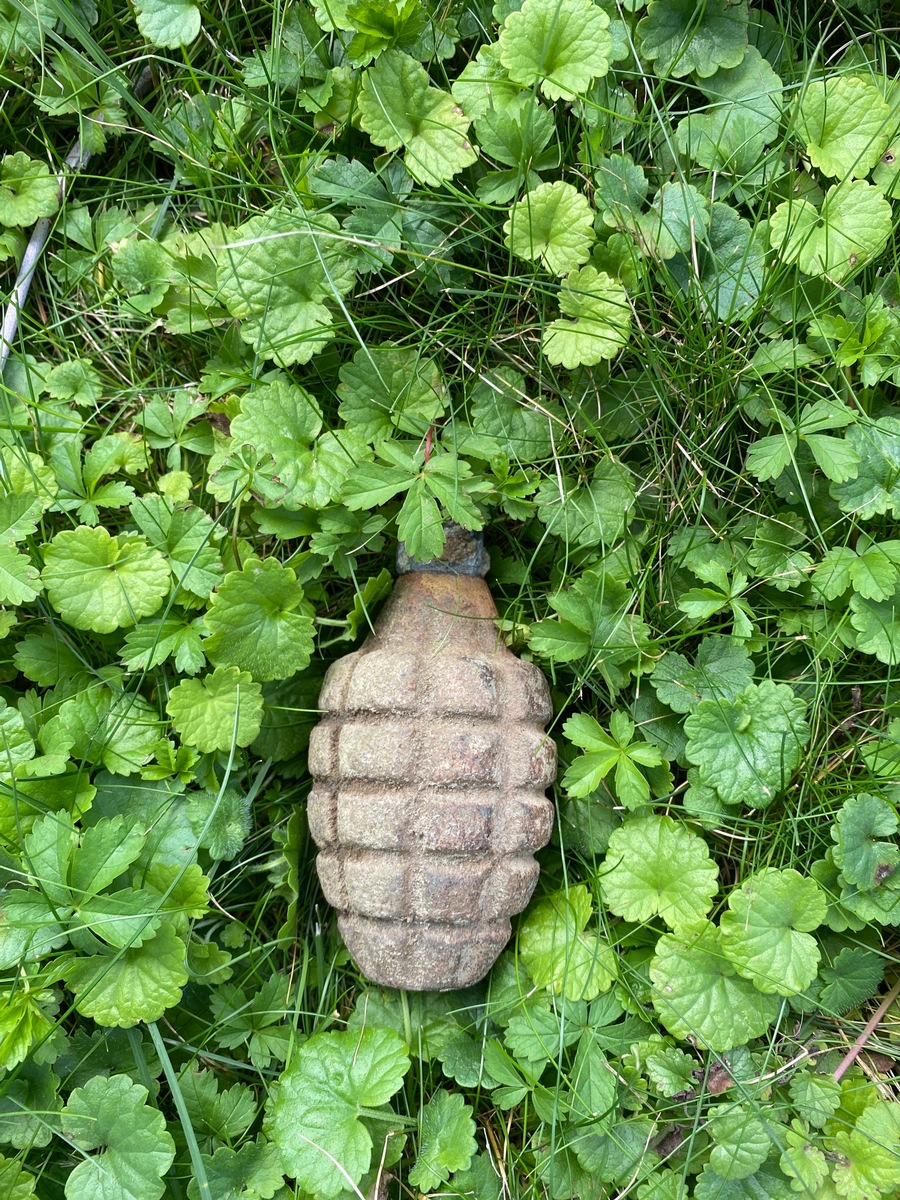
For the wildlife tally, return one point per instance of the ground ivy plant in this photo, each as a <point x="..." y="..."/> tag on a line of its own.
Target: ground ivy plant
<point x="615" y="282"/>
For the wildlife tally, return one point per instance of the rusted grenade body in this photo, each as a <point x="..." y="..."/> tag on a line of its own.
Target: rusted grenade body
<point x="429" y="768"/>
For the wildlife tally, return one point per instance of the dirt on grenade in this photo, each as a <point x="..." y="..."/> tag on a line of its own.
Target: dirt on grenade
<point x="430" y="766"/>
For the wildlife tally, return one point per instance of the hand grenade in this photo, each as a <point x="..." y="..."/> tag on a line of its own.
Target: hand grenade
<point x="429" y="767"/>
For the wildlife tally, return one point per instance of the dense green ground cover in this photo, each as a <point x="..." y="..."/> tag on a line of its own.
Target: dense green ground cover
<point x="618" y="283"/>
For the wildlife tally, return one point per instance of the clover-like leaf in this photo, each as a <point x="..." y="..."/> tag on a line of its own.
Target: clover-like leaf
<point x="112" y="1115"/>
<point x="562" y="45"/>
<point x="723" y="668"/>
<point x="606" y="751"/>
<point x="865" y="831"/>
<point x="600" y="325"/>
<point x="844" y="122"/>
<point x="876" y="487"/>
<point x="259" y="622"/>
<point x="217" y="711"/>
<point x="699" y="36"/>
<point x="27" y="190"/>
<point x="316" y="1118"/>
<point x="168" y="23"/>
<point x="655" y="865"/>
<point x="748" y="748"/>
<point x="561" y="952"/>
<point x="766" y="931"/>
<point x="851" y="226"/>
<point x="102" y="582"/>
<point x="699" y="995"/>
<point x="554" y="224"/>
<point x="279" y="274"/>
<point x="399" y="107"/>
<point x="446" y="1140"/>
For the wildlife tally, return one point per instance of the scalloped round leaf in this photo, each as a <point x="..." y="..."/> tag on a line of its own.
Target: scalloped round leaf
<point x="562" y="45"/>
<point x="620" y="189"/>
<point x="868" y="1165"/>
<point x="27" y="190"/>
<point x="125" y="987"/>
<point x="101" y="582"/>
<point x="875" y="489"/>
<point x="723" y="668"/>
<point x="676" y="220"/>
<point x="560" y="952"/>
<point x="601" y="321"/>
<point x="726" y="266"/>
<point x="320" y="1094"/>
<point x="655" y="865"/>
<point x="742" y="1144"/>
<point x="866" y="850"/>
<point x="699" y="996"/>
<point x="852" y="226"/>
<point x="521" y="426"/>
<point x="484" y="84"/>
<point x="844" y="123"/>
<point x="388" y="387"/>
<point x="399" y="107"/>
<point x="259" y="622"/>
<point x="217" y="711"/>
<point x="682" y="36"/>
<point x="168" y="23"/>
<point x="748" y="748"/>
<point x="278" y="275"/>
<point x="112" y="1115"/>
<point x="554" y="224"/>
<point x="877" y="625"/>
<point x="766" y="931"/>
<point x="446" y="1140"/>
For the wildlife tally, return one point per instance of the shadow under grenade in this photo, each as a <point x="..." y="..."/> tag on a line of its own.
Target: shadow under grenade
<point x="429" y="767"/>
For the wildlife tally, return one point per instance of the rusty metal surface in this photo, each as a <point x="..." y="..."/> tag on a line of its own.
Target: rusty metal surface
<point x="429" y="768"/>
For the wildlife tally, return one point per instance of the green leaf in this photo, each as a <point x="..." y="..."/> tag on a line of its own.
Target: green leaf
<point x="106" y="850"/>
<point x="552" y="223"/>
<point x="742" y="1144"/>
<point x="600" y="325"/>
<point x="399" y="107"/>
<point x="748" y="748"/>
<point x="699" y="996"/>
<point x="446" y="1140"/>
<point x="219" y="711"/>
<point x="766" y="931"/>
<point x="654" y="865"/>
<point x="802" y="1160"/>
<point x="606" y="751"/>
<point x="125" y="987"/>
<point x="723" y="669"/>
<point x="877" y="626"/>
<point x="684" y="36"/>
<point x="854" y="977"/>
<point x="835" y="457"/>
<point x="15" y="1182"/>
<point x="852" y="226"/>
<point x="523" y="427"/>
<point x="483" y="84"/>
<point x="727" y="266"/>
<point x="279" y="275"/>
<point x="27" y="190"/>
<point x="620" y="189"/>
<point x="588" y="514"/>
<point x="865" y="831"/>
<point x="316" y="1118"/>
<point x="152" y="643"/>
<point x="868" y="1165"/>
<point x="20" y="580"/>
<point x="168" y="23"/>
<point x="186" y="535"/>
<point x="259" y="622"/>
<point x="112" y="1115"/>
<point x="561" y="45"/>
<point x="388" y="387"/>
<point x="816" y="1097"/>
<point x="560" y="952"/>
<point x="677" y="219"/>
<point x="101" y="582"/>
<point x="843" y="121"/>
<point x="876" y="488"/>
<point x="252" y="1173"/>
